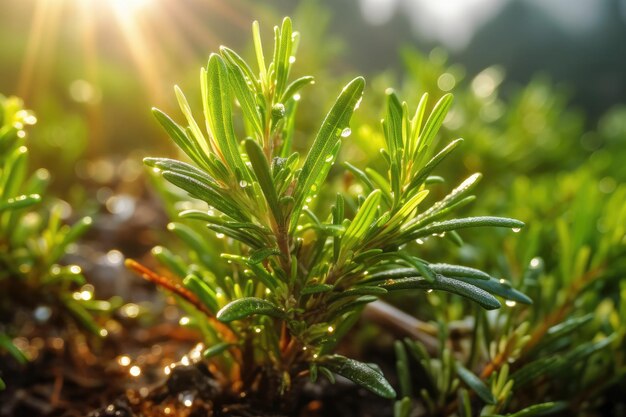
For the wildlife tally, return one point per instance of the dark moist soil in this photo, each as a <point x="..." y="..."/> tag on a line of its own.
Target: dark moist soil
<point x="69" y="379"/>
<point x="73" y="375"/>
<point x="191" y="391"/>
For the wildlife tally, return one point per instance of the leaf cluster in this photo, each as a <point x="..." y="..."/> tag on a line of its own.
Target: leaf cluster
<point x="299" y="268"/>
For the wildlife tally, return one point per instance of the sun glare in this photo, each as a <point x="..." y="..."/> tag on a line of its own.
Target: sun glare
<point x="148" y="29"/>
<point x="130" y="6"/>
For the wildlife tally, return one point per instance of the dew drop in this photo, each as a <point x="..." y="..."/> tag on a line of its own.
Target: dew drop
<point x="296" y="97"/>
<point x="516" y="229"/>
<point x="535" y="262"/>
<point x="346" y="132"/>
<point x="115" y="257"/>
<point x="123" y="360"/>
<point x="329" y="158"/>
<point x="243" y="184"/>
<point x="510" y="303"/>
<point x="42" y="313"/>
<point x="292" y="59"/>
<point x="429" y="291"/>
<point x="219" y="235"/>
<point x="130" y="310"/>
<point x="186" y="398"/>
<point x="419" y="241"/>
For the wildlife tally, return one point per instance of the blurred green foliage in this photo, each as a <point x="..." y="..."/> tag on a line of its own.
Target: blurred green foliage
<point x="567" y="185"/>
<point x="33" y="240"/>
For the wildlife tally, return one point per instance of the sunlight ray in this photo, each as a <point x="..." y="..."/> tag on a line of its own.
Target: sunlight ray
<point x="45" y="18"/>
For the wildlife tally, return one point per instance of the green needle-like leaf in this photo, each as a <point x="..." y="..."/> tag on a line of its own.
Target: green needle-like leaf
<point x="264" y="176"/>
<point x="295" y="86"/>
<point x="475" y="383"/>
<point x="216" y="349"/>
<point x="185" y="143"/>
<point x="423" y="173"/>
<point x="7" y="344"/>
<point x="432" y="125"/>
<point x="246" y="96"/>
<point x="316" y="289"/>
<point x="362" y="221"/>
<point x="202" y="291"/>
<point x="262" y="254"/>
<point x="205" y="192"/>
<point x="499" y="287"/>
<point x="361" y="374"/>
<point x="459" y="271"/>
<point x="406" y="210"/>
<point x="456" y="224"/>
<point x="19" y="202"/>
<point x="246" y="307"/>
<point x="220" y="113"/>
<point x="336" y="121"/>
<point x="442" y="283"/>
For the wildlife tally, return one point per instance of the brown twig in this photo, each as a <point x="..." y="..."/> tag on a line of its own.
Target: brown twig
<point x="390" y="317"/>
<point x="170" y="285"/>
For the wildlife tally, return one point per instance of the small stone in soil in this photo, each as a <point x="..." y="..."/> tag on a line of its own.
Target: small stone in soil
<point x="193" y="378"/>
<point x="119" y="408"/>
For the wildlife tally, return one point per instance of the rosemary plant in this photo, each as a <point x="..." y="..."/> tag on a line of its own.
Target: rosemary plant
<point x="568" y="348"/>
<point x="295" y="273"/>
<point x="33" y="240"/>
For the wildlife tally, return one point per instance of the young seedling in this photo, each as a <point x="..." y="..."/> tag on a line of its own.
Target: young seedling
<point x="295" y="273"/>
<point x="33" y="240"/>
